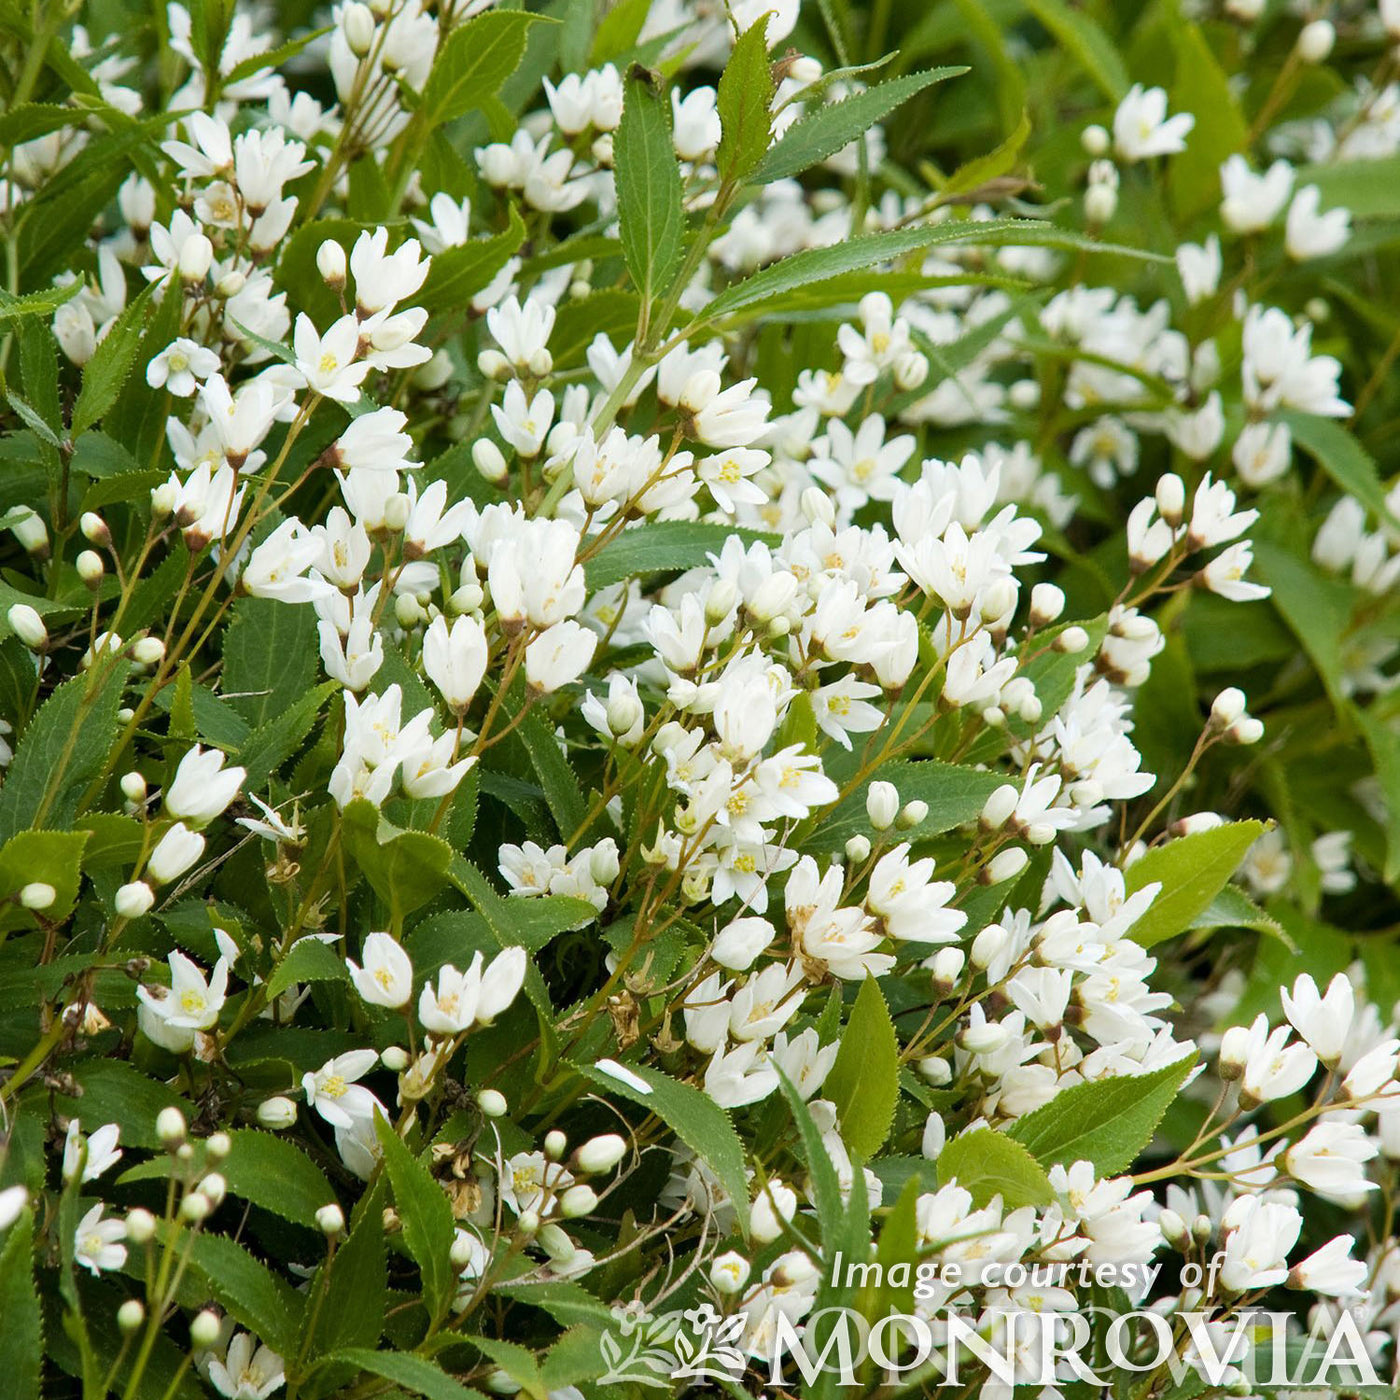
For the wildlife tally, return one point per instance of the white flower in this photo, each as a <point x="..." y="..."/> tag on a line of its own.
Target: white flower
<point x="1199" y="267"/>
<point x="13" y="1199"/>
<point x="102" y="1150"/>
<point x="1252" y="202"/>
<point x="1322" y="1020"/>
<point x="1310" y="234"/>
<point x="1331" y="1271"/>
<point x="192" y="1003"/>
<point x="202" y="787"/>
<point x="455" y="659"/>
<point x="1142" y="129"/>
<point x="327" y="363"/>
<point x="559" y="655"/>
<point x="97" y="1243"/>
<point x="181" y="367"/>
<point x="175" y="852"/>
<point x="386" y="979"/>
<point x="333" y="1090"/>
<point x="248" y="1371"/>
<point x="384" y="279"/>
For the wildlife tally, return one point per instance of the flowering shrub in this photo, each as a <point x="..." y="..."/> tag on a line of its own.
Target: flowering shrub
<point x="624" y="667"/>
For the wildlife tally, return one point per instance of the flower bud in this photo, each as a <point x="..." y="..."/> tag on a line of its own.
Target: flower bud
<point x="196" y="1207"/>
<point x="1095" y="140"/>
<point x="32" y="534"/>
<point x="94" y="528"/>
<point x="528" y="1222"/>
<point x="1174" y="1229"/>
<point x="196" y="255"/>
<point x="277" y="1113"/>
<point x="394" y="1058"/>
<point x="1005" y="865"/>
<point x="130" y="1316"/>
<point x="1071" y="641"/>
<point x="330" y="263"/>
<point x="624" y="713"/>
<point x="1024" y="395"/>
<point x="540" y="362"/>
<point x="28" y="626"/>
<point x="818" y="507"/>
<point x="578" y="1201"/>
<point x="997" y="600"/>
<point x="719" y="603"/>
<point x="912" y="814"/>
<point x="1170" y="495"/>
<point x="1227" y="707"/>
<point x="910" y="371"/>
<point x="357" y="23"/>
<point x="934" y="1069"/>
<point x="140" y="1225"/>
<point x="601" y="1153"/>
<point x="1047" y="603"/>
<point x="37" y="895"/>
<point x="163" y="499"/>
<point x="147" y="651"/>
<point x="204" y="1330"/>
<point x="988" y="946"/>
<point x="489" y="460"/>
<point x="217" y="1147"/>
<point x="213" y="1188"/>
<point x="555" y="1144"/>
<point x="90" y="567"/>
<point x="330" y="1220"/>
<point x="947" y="969"/>
<point x="492" y="1103"/>
<point x="882" y="805"/>
<point x="231" y="283"/>
<point x="1246" y="730"/>
<point x="1234" y="1053"/>
<point x="1315" y="41"/>
<point x="1100" y="203"/>
<point x="170" y="1126"/>
<point x="997" y="809"/>
<point x="858" y="849"/>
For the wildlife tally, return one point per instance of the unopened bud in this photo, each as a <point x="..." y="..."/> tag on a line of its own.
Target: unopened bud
<point x="1227" y="707"/>
<point x="277" y="1113"/>
<point x="1071" y="641"/>
<point x="134" y="899"/>
<point x="140" y="1225"/>
<point x="555" y="1144"/>
<point x="1095" y="140"/>
<point x="1005" y="865"/>
<point x="492" y="1103"/>
<point x="1170" y="495"/>
<point x="817" y="507"/>
<point x="130" y="1316"/>
<point x="1100" y="203"/>
<point x="94" y="528"/>
<point x="37" y="895"/>
<point x="912" y="814"/>
<point x="578" y="1201"/>
<point x="1047" y="603"/>
<point x="882" y="805"/>
<point x="217" y="1146"/>
<point x="997" y="809"/>
<point x="330" y="263"/>
<point x="947" y="969"/>
<point x="357" y="23"/>
<point x="910" y="371"/>
<point x="170" y="1127"/>
<point x="28" y="626"/>
<point x="858" y="849"/>
<point x="90" y="567"/>
<point x="493" y="365"/>
<point x="204" y="1330"/>
<point x="1246" y="730"/>
<point x="1315" y="41"/>
<point x="147" y="651"/>
<point x="330" y="1220"/>
<point x="394" y="1058"/>
<point x="397" y="509"/>
<point x="196" y="255"/>
<point x="489" y="460"/>
<point x="196" y="1207"/>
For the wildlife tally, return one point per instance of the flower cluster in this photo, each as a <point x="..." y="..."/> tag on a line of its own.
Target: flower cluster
<point x="622" y="680"/>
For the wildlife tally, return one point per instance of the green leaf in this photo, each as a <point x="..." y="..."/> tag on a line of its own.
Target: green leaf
<point x="1370" y="189"/>
<point x="357" y="1294"/>
<point x="115" y="1091"/>
<point x="63" y="749"/>
<point x="557" y="778"/>
<point x="1107" y="1121"/>
<point x="1201" y="88"/>
<point x="1343" y="458"/>
<point x="270" y="657"/>
<point x="412" y="1373"/>
<point x="308" y="960"/>
<point x="22" y="1335"/>
<point x="648" y="178"/>
<point x="663" y="546"/>
<point x="831" y="128"/>
<point x="1384" y="743"/>
<point x="618" y="31"/>
<point x="49" y="857"/>
<point x="745" y="102"/>
<point x="106" y="372"/>
<point x="825" y="1185"/>
<point x="273" y="742"/>
<point x="1315" y="605"/>
<point x="694" y="1117"/>
<point x="41" y="303"/>
<point x="262" y="1301"/>
<point x="955" y="795"/>
<point x="474" y="62"/>
<point x="404" y="868"/>
<point x="1233" y="908"/>
<point x="428" y="1227"/>
<point x="815" y="265"/>
<point x="988" y="1163"/>
<point x="457" y="274"/>
<point x="1085" y="40"/>
<point x="864" y="1078"/>
<point x="1192" y="870"/>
